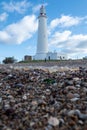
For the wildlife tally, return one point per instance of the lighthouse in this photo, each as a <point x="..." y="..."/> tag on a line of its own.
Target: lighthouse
<point x="42" y="40"/>
<point x="42" y="52"/>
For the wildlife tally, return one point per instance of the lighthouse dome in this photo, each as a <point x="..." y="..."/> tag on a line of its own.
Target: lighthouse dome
<point x="42" y="10"/>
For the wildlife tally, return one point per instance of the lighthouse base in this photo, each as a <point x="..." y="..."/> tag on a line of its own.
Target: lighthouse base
<point x="40" y="56"/>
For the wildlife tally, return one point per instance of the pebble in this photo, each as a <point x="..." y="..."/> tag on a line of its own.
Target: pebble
<point x="74" y="99"/>
<point x="70" y="88"/>
<point x="81" y="115"/>
<point x="53" y="121"/>
<point x="47" y="91"/>
<point x="24" y="97"/>
<point x="34" y="103"/>
<point x="70" y="95"/>
<point x="76" y="79"/>
<point x="76" y="95"/>
<point x="0" y="99"/>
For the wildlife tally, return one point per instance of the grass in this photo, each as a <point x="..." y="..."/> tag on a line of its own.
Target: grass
<point x="36" y="61"/>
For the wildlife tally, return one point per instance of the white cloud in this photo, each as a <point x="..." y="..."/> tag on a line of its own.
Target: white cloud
<point x="65" y="21"/>
<point x="19" y="32"/>
<point x="59" y="37"/>
<point x="19" y="7"/>
<point x="3" y="17"/>
<point x="4" y="35"/>
<point x="71" y="44"/>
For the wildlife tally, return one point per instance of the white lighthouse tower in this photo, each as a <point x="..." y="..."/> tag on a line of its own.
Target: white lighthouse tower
<point x="42" y="52"/>
<point x="42" y="41"/>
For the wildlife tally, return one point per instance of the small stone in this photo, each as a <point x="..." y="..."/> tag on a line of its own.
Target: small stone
<point x="32" y="124"/>
<point x="24" y="97"/>
<point x="53" y="121"/>
<point x="80" y="122"/>
<point x="0" y="99"/>
<point x="52" y="109"/>
<point x="6" y="106"/>
<point x="8" y="87"/>
<point x="69" y="82"/>
<point x="45" y="116"/>
<point x="76" y="95"/>
<point x="70" y="95"/>
<point x="72" y="123"/>
<point x="76" y="78"/>
<point x="34" y="103"/>
<point x="48" y="92"/>
<point x="74" y="99"/>
<point x="19" y="85"/>
<point x="10" y="96"/>
<point x="70" y="113"/>
<point x="61" y="122"/>
<point x="70" y="88"/>
<point x="43" y="97"/>
<point x="77" y="85"/>
<point x="55" y="84"/>
<point x="0" y="84"/>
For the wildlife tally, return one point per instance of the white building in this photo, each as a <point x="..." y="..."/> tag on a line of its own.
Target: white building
<point x="56" y="56"/>
<point x="42" y="41"/>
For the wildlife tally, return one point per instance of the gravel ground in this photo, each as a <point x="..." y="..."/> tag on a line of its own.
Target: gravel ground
<point x="43" y="97"/>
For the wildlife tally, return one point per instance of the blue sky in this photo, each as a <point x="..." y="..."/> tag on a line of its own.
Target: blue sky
<point x="67" y="27"/>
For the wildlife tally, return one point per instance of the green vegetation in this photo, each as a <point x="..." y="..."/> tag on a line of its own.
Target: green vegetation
<point x="36" y="61"/>
<point x="49" y="81"/>
<point x="9" y="60"/>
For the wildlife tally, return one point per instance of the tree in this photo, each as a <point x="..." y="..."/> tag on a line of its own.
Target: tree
<point x="8" y="60"/>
